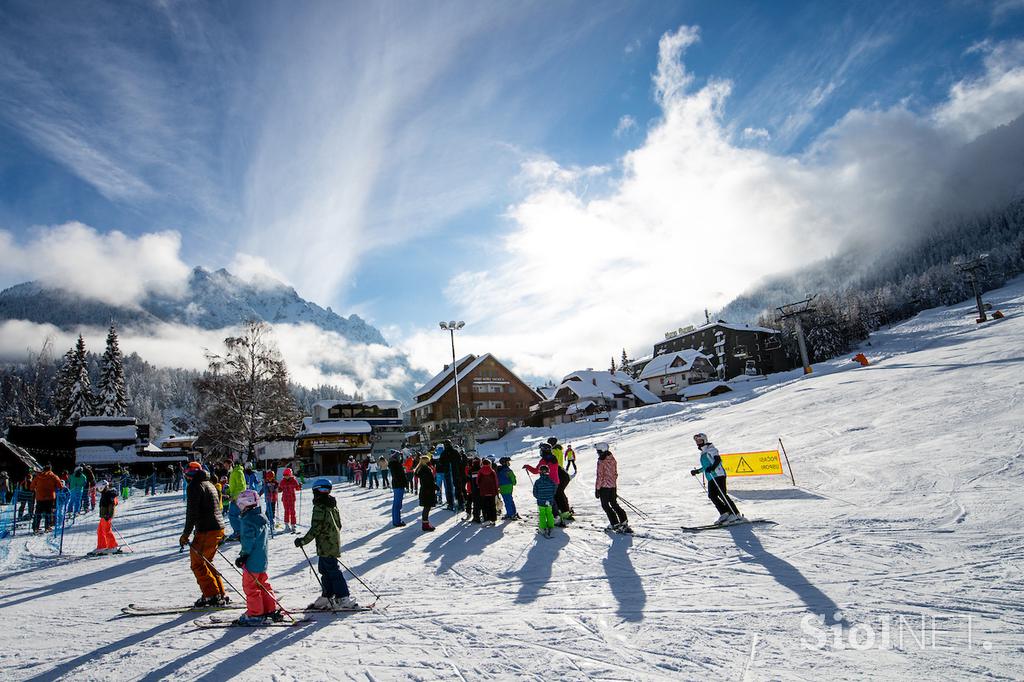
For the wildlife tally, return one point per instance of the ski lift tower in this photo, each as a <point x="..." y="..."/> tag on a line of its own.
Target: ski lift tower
<point x="970" y="268"/>
<point x="794" y="311"/>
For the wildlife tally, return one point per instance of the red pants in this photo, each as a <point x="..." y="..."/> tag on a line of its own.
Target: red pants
<point x="289" y="510"/>
<point x="105" y="536"/>
<point x="259" y="601"/>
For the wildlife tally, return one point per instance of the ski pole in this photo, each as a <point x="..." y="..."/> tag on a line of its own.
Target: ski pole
<point x="123" y="541"/>
<point x="214" y="569"/>
<point x="633" y="507"/>
<point x="725" y="498"/>
<point x="377" y="596"/>
<point x="310" y="562"/>
<point x="268" y="592"/>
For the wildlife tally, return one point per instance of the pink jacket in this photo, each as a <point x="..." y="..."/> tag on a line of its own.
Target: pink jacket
<point x="552" y="470"/>
<point x="607" y="472"/>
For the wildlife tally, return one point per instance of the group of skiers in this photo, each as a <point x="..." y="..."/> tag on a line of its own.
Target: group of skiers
<point x="204" y="531"/>
<point x="469" y="484"/>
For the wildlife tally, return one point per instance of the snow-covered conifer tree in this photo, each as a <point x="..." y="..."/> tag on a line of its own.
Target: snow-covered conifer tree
<point x="79" y="397"/>
<point x="113" y="396"/>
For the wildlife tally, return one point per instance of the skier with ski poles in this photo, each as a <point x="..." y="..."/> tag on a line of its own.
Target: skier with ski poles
<point x="714" y="472"/>
<point x="606" y="490"/>
<point x="260" y="602"/>
<point x="325" y="529"/>
<point x="202" y="514"/>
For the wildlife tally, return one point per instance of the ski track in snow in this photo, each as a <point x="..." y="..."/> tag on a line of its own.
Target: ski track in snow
<point x="909" y="476"/>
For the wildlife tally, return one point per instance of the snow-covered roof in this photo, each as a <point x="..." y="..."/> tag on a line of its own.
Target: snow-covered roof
<point x="734" y="326"/>
<point x="379" y="404"/>
<point x="581" y="406"/>
<point x="694" y="390"/>
<point x="547" y="392"/>
<point x="336" y="426"/>
<point x="448" y="386"/>
<point x="104" y="454"/>
<point x="593" y="384"/>
<point x="662" y="365"/>
<point x="127" y="434"/>
<point x="441" y="376"/>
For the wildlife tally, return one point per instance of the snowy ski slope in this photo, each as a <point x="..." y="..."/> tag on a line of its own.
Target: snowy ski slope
<point x="898" y="556"/>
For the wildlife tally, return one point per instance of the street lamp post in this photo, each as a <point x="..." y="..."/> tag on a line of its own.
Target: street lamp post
<point x="451" y="328"/>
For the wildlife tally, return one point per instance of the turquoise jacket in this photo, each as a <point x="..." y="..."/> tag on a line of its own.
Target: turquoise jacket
<point x="708" y="455"/>
<point x="77" y="482"/>
<point x="255" y="538"/>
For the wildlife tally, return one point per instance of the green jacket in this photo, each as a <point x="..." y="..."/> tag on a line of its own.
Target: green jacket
<point x="77" y="482"/>
<point x="236" y="481"/>
<point x="324" y="527"/>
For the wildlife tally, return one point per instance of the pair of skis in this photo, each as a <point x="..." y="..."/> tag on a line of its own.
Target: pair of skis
<point x="715" y="526"/>
<point x="215" y="621"/>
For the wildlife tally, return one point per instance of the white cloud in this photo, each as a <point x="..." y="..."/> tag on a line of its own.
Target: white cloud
<point x="256" y="270"/>
<point x="993" y="99"/>
<point x="756" y="134"/>
<point x="110" y="267"/>
<point x="695" y="220"/>
<point x="626" y="124"/>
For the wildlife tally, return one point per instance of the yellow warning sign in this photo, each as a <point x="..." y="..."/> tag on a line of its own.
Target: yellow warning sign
<point x="767" y="463"/>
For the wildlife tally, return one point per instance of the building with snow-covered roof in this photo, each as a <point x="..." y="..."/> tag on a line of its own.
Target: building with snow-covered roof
<point x="487" y="389"/>
<point x="342" y="430"/>
<point x="666" y="374"/>
<point x="118" y="441"/>
<point x="590" y="394"/>
<point x="734" y="349"/>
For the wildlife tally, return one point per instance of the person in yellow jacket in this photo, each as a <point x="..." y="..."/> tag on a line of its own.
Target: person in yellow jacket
<point x="236" y="484"/>
<point x="556" y="450"/>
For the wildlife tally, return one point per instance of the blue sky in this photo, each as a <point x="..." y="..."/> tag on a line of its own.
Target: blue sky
<point x="418" y="161"/>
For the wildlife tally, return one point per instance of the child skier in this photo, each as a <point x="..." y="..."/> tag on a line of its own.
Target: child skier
<point x="605" y="489"/>
<point x="547" y="458"/>
<point x="544" y="492"/>
<point x="105" y="542"/>
<point x="714" y="472"/>
<point x="325" y="528"/>
<point x="487" y="484"/>
<point x="269" y="492"/>
<point x="506" y="483"/>
<point x="289" y="487"/>
<point x="260" y="602"/>
<point x="570" y="460"/>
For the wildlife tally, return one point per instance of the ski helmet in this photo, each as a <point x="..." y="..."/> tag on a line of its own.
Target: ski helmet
<point x="602" y="447"/>
<point x="438" y="450"/>
<point x="322" y="485"/>
<point x="543" y="468"/>
<point x="247" y="499"/>
<point x="552" y="440"/>
<point x="544" y="447"/>
<point x="101" y="486"/>
<point x="700" y="438"/>
<point x="287" y="473"/>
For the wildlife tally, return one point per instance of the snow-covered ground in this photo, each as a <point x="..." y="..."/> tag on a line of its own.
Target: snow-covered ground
<point x="899" y="555"/>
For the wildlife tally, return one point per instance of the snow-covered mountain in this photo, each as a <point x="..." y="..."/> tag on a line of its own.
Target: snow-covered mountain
<point x="212" y="300"/>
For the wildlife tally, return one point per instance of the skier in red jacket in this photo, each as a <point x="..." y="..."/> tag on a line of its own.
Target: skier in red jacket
<point x="487" y="483"/>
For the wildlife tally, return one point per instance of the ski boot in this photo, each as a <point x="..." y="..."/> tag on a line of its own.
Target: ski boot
<point x="344" y="604"/>
<point x="252" y="621"/>
<point x="321" y="604"/>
